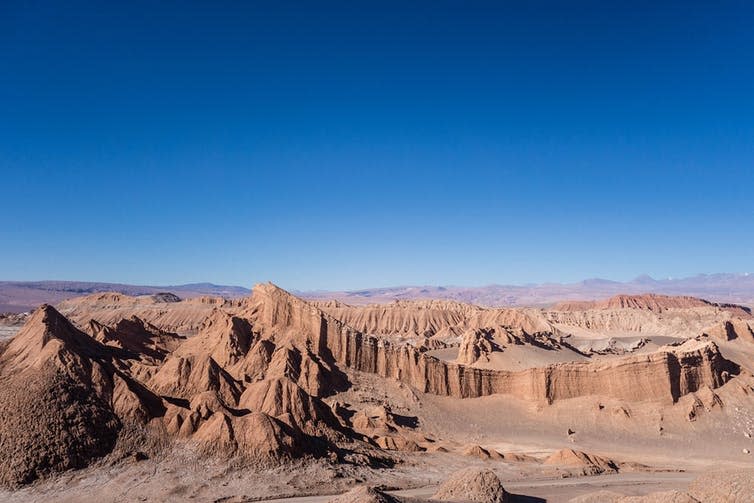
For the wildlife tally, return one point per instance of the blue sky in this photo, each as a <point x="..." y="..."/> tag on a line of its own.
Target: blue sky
<point x="359" y="144"/>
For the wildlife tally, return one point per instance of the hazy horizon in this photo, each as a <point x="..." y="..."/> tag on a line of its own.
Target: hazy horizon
<point x="248" y="285"/>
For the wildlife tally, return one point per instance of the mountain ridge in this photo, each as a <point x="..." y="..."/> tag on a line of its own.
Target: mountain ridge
<point x="718" y="287"/>
<point x="19" y="296"/>
<point x="277" y="382"/>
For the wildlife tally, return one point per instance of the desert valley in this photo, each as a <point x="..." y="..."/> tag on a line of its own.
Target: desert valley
<point x="377" y="252"/>
<point x="153" y="397"/>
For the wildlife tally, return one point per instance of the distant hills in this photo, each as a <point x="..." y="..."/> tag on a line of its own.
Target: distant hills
<point x="17" y="296"/>
<point x="722" y="287"/>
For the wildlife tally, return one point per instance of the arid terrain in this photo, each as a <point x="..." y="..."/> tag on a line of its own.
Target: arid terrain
<point x="632" y="398"/>
<point x="383" y="252"/>
<point x="19" y="296"/>
<point x="720" y="287"/>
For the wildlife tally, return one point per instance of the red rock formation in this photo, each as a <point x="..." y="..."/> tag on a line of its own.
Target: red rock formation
<point x="733" y="329"/>
<point x="650" y="302"/>
<point x="661" y="376"/>
<point x="587" y="464"/>
<point x="250" y="383"/>
<point x="473" y="484"/>
<point x="56" y="400"/>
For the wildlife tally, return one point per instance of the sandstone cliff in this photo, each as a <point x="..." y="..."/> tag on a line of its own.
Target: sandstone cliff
<point x="250" y="384"/>
<point x="662" y="376"/>
<point x="651" y="302"/>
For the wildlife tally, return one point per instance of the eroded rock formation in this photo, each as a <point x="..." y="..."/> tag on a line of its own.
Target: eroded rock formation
<point x="472" y="484"/>
<point x="250" y="382"/>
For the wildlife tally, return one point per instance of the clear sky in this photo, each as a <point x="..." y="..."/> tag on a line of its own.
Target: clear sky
<point x="357" y="144"/>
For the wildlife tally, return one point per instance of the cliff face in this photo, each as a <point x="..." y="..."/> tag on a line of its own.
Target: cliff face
<point x="250" y="383"/>
<point x="445" y="322"/>
<point x="645" y="314"/>
<point x="182" y="316"/>
<point x="433" y="318"/>
<point x="306" y="344"/>
<point x="732" y="330"/>
<point x="404" y="318"/>
<point x="651" y="302"/>
<point x="56" y="390"/>
<point x="662" y="376"/>
<point x="672" y="322"/>
<point x="70" y="397"/>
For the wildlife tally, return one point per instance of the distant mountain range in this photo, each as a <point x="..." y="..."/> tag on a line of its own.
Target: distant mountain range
<point x="723" y="287"/>
<point x="17" y="296"/>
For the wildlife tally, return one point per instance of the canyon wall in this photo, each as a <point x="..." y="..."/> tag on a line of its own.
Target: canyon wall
<point x="662" y="376"/>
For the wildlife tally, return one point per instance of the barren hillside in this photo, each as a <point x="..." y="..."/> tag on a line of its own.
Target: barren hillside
<point x="325" y="394"/>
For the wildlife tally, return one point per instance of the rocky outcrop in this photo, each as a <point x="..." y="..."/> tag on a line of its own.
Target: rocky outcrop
<point x="224" y="337"/>
<point x="644" y="314"/>
<point x="56" y="395"/>
<point x="731" y="330"/>
<point x="650" y="302"/>
<point x="477" y="451"/>
<point x="375" y="420"/>
<point x="186" y="376"/>
<point x="250" y="384"/>
<point x="476" y="344"/>
<point x="142" y="340"/>
<point x="398" y="443"/>
<point x="671" y="323"/>
<point x="166" y="313"/>
<point x="586" y="464"/>
<point x="472" y="484"/>
<point x="482" y="343"/>
<point x="388" y="430"/>
<point x="282" y="398"/>
<point x="439" y="319"/>
<point x="662" y="376"/>
<point x="403" y="318"/>
<point x="70" y="397"/>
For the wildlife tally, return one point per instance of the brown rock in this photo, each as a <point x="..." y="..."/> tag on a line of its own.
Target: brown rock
<point x="588" y="464"/>
<point x="397" y="443"/>
<point x="477" y="451"/>
<point x="364" y="494"/>
<point x="472" y="484"/>
<point x="54" y="417"/>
